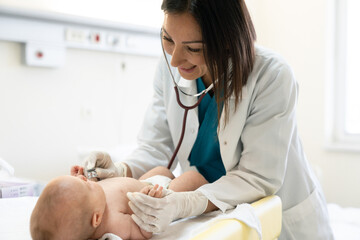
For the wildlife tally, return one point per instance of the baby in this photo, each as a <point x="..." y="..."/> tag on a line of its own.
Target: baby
<point x="72" y="207"/>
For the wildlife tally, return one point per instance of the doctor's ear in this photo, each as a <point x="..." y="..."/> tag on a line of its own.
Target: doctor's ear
<point x="96" y="219"/>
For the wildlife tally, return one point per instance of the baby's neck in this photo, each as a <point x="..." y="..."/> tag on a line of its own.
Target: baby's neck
<point x="102" y="228"/>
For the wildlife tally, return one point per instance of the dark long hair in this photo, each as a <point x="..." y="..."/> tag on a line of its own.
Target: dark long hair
<point x="228" y="35"/>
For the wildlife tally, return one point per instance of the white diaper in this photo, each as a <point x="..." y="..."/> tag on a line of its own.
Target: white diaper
<point x="158" y="179"/>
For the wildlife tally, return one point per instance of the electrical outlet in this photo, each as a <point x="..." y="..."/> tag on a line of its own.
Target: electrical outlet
<point x="113" y="40"/>
<point x="44" y="55"/>
<point x="96" y="38"/>
<point x="76" y="35"/>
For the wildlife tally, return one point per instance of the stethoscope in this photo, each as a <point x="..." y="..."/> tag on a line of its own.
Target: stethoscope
<point x="186" y="108"/>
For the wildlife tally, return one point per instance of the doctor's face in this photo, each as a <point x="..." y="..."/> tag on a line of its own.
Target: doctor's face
<point x="182" y="39"/>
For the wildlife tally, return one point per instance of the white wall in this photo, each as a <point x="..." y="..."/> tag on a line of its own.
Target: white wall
<point x="96" y="99"/>
<point x="299" y="30"/>
<point x="135" y="12"/>
<point x="50" y="116"/>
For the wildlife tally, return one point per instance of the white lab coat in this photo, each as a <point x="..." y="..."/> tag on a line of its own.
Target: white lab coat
<point x="259" y="146"/>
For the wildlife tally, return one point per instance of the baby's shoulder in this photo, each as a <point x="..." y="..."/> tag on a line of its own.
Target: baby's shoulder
<point x="123" y="184"/>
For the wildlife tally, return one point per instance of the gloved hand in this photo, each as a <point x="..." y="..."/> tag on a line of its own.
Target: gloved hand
<point x="155" y="214"/>
<point x="103" y="165"/>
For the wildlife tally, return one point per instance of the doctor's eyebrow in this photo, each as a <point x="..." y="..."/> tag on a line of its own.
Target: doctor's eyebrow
<point x="184" y="42"/>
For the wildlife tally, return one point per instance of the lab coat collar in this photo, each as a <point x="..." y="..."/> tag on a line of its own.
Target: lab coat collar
<point x="189" y="86"/>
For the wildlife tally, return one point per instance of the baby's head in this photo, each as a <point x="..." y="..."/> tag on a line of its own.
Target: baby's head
<point x="68" y="208"/>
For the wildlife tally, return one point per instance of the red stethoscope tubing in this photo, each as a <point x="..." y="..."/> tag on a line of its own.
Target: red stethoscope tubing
<point x="186" y="109"/>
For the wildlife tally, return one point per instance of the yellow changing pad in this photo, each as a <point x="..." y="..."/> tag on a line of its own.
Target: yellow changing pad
<point x="269" y="212"/>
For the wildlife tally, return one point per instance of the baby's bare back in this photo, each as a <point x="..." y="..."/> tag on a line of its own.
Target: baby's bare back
<point x="118" y="218"/>
<point x="115" y="191"/>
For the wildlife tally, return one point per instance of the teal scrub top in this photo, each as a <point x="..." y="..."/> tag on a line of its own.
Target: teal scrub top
<point x="205" y="154"/>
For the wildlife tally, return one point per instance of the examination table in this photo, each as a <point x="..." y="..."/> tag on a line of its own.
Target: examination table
<point x="269" y="212"/>
<point x="15" y="214"/>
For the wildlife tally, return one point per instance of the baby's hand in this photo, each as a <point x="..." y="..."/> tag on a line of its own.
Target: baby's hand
<point x="77" y="170"/>
<point x="153" y="191"/>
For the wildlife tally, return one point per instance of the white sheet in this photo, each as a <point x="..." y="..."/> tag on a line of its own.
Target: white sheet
<point x="345" y="222"/>
<point x="15" y="217"/>
<point x="15" y="214"/>
<point x="180" y="230"/>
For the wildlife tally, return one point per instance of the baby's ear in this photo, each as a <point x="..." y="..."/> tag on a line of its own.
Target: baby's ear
<point x="96" y="219"/>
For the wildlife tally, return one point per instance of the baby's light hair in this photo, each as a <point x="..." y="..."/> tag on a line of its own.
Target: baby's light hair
<point x="61" y="213"/>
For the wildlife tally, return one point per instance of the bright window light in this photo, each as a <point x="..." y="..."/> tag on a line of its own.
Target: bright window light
<point x="352" y="101"/>
<point x="343" y="99"/>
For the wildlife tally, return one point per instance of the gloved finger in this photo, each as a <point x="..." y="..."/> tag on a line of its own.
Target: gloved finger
<point x="104" y="173"/>
<point x="90" y="161"/>
<point x="140" y="199"/>
<point x="146" y="218"/>
<point x="106" y="159"/>
<point x="166" y="191"/>
<point x="141" y="224"/>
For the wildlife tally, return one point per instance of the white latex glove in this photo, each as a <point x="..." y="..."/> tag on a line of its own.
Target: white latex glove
<point x="155" y="214"/>
<point x="104" y="166"/>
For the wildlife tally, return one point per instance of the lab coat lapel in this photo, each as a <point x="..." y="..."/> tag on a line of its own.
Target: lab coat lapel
<point x="230" y="134"/>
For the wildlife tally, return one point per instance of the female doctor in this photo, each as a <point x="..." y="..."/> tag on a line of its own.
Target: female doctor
<point x="242" y="137"/>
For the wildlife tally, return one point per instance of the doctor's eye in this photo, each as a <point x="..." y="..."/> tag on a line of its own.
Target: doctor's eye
<point x="194" y="49"/>
<point x="167" y="39"/>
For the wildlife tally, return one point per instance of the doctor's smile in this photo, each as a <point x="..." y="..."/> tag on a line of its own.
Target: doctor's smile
<point x="187" y="70"/>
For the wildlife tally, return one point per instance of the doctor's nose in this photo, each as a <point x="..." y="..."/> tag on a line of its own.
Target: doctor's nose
<point x="177" y="57"/>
